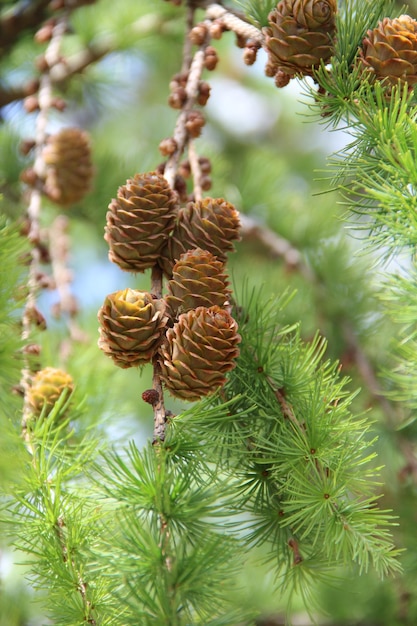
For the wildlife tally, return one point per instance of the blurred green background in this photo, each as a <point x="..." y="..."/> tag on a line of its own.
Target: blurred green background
<point x="269" y="156"/>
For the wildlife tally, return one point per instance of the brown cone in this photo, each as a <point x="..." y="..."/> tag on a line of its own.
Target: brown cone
<point x="198" y="279"/>
<point x="211" y="224"/>
<point x="389" y="51"/>
<point x="132" y="327"/>
<point x="69" y="168"/>
<point x="299" y="37"/>
<point x="198" y="351"/>
<point x="139" y="221"/>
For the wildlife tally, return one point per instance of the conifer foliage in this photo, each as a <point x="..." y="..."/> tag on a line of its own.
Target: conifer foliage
<point x="261" y="449"/>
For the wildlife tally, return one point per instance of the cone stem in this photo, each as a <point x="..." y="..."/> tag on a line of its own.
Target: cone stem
<point x="159" y="412"/>
<point x="196" y="171"/>
<point x="156" y="281"/>
<point x="234" y="23"/>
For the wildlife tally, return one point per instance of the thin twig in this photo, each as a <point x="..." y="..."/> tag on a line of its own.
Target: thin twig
<point x="67" y="558"/>
<point x="33" y="215"/>
<point x="156" y="282"/>
<point x="408" y="450"/>
<point x="34" y="210"/>
<point x="30" y="305"/>
<point x="188" y="46"/>
<point x="195" y="170"/>
<point x="234" y="23"/>
<point x="159" y="411"/>
<point x="286" y="408"/>
<point x="231" y="22"/>
<point x="76" y="63"/>
<point x="277" y="246"/>
<point x="293" y="544"/>
<point x="367" y="373"/>
<point x="165" y="536"/>
<point x="158" y="406"/>
<point x="180" y="132"/>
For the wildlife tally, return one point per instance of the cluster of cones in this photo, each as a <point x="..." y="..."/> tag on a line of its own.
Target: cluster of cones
<point x="189" y="330"/>
<point x="301" y="37"/>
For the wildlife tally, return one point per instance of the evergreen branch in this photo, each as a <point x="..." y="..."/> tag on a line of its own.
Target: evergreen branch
<point x="60" y="527"/>
<point x="354" y="19"/>
<point x="340" y="86"/>
<point x="56" y="526"/>
<point x="164" y="540"/>
<point x="378" y="175"/>
<point x="190" y="497"/>
<point x="282" y="248"/>
<point x="294" y="476"/>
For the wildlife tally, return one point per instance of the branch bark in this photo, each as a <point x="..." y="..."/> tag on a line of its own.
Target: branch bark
<point x="33" y="214"/>
<point x="180" y="132"/>
<point x="234" y="23"/>
<point x="160" y="416"/>
<point x="24" y="16"/>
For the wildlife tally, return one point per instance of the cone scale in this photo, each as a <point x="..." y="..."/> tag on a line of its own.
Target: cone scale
<point x="198" y="352"/>
<point x="198" y="279"/>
